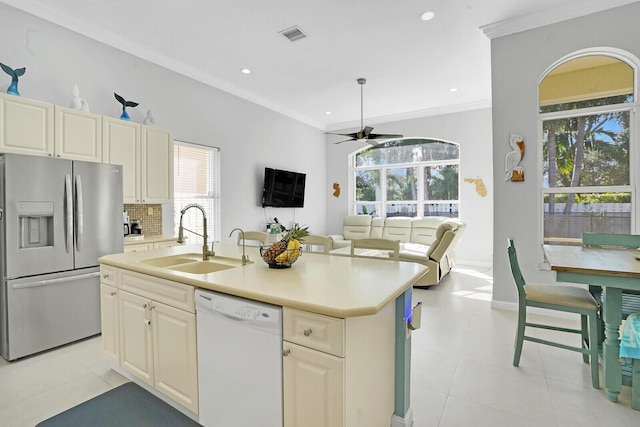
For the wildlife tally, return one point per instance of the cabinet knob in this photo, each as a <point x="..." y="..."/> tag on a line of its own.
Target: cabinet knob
<point x="286" y="352"/>
<point x="105" y="276"/>
<point x="307" y="332"/>
<point x="113" y="294"/>
<point x="147" y="321"/>
<point x="145" y="305"/>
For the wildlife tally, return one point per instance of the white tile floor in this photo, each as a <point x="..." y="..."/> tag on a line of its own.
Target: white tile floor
<point x="461" y="371"/>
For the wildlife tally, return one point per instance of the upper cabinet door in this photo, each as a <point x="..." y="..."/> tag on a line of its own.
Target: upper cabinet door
<point x="156" y="183"/>
<point x="26" y="126"/>
<point x="121" y="146"/>
<point x="78" y="135"/>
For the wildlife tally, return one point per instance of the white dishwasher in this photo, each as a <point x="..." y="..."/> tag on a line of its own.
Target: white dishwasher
<point x="239" y="361"/>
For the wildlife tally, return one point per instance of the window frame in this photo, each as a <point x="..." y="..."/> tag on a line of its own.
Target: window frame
<point x="421" y="202"/>
<point x="631" y="107"/>
<point x="213" y="213"/>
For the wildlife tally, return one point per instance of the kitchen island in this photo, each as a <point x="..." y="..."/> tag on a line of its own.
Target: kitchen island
<point x="368" y="300"/>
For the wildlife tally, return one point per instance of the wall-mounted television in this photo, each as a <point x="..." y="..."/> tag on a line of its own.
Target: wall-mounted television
<point x="283" y="189"/>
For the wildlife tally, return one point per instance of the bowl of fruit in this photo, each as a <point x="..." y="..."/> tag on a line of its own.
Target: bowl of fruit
<point x="284" y="253"/>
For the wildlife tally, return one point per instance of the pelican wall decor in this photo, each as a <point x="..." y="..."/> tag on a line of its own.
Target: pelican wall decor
<point x="513" y="171"/>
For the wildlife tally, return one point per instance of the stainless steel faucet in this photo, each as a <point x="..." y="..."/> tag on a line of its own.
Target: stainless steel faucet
<point x="244" y="257"/>
<point x="206" y="253"/>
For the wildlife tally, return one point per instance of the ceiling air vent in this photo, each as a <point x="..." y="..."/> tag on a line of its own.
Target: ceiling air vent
<point x="293" y="34"/>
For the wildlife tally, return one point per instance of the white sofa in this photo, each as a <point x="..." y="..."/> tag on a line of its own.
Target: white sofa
<point x="430" y="241"/>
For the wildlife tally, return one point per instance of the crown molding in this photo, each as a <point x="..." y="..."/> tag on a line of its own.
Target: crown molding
<point x="450" y="109"/>
<point x="56" y="17"/>
<point x="539" y="19"/>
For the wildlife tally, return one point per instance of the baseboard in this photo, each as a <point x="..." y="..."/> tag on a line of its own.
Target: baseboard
<point x="462" y="262"/>
<point x="407" y="421"/>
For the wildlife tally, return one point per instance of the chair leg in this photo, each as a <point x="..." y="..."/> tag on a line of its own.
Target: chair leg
<point x="594" y="332"/>
<point x="586" y="343"/>
<point x="522" y="318"/>
<point x="635" y="385"/>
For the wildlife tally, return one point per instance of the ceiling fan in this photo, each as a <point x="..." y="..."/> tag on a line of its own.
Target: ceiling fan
<point x="364" y="134"/>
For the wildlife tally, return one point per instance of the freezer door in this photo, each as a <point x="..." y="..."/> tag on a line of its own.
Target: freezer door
<point x="37" y="206"/>
<point x="47" y="311"/>
<point x="98" y="211"/>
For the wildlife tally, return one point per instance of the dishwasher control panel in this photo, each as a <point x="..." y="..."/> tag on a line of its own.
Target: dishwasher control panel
<point x="238" y="308"/>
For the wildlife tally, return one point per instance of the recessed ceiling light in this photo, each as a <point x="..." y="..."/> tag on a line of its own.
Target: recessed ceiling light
<point x="328" y="113"/>
<point x="428" y="15"/>
<point x="453" y="89"/>
<point x="246" y="71"/>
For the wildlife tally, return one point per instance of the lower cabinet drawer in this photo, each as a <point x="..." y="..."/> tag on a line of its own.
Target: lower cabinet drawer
<point x="108" y="275"/>
<point x="172" y="293"/>
<point x="316" y="331"/>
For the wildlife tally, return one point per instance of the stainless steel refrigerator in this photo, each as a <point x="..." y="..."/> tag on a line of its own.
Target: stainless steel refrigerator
<point x="56" y="218"/>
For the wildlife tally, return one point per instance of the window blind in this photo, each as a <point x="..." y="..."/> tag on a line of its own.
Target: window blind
<point x="197" y="180"/>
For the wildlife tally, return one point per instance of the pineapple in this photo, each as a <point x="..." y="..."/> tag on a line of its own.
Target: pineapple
<point x="287" y="250"/>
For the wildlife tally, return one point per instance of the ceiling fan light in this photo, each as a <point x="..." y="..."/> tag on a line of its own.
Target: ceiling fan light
<point x="428" y="15"/>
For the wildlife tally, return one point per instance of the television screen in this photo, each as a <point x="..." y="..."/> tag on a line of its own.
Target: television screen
<point x="283" y="189"/>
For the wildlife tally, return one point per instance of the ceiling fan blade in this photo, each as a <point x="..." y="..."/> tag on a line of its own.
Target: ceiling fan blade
<point x="346" y="140"/>
<point x="350" y="135"/>
<point x="384" y="136"/>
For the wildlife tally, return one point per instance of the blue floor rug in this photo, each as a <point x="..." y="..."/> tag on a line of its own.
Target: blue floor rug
<point x="128" y="405"/>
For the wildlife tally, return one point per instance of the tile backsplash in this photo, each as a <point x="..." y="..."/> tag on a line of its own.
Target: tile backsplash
<point x="150" y="217"/>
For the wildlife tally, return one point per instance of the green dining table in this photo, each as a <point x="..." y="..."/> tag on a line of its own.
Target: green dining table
<point x="613" y="269"/>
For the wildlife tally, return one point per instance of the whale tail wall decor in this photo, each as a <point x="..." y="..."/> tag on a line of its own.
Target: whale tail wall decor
<point x="13" y="87"/>
<point x="125" y="104"/>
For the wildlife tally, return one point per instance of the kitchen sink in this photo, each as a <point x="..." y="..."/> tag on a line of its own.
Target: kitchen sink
<point x="193" y="263"/>
<point x="168" y="261"/>
<point x="201" y="267"/>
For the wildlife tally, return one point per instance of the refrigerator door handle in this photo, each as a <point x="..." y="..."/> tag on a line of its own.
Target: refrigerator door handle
<point x="68" y="213"/>
<point x="79" y="213"/>
<point x="46" y="282"/>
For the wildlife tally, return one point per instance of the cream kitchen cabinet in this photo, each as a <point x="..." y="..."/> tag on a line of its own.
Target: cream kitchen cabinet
<point x="313" y="384"/>
<point x="156" y="172"/>
<point x="327" y="369"/>
<point x="110" y="321"/>
<point x="159" y="245"/>
<point x="26" y="126"/>
<point x="138" y="247"/>
<point x="146" y="154"/>
<point x="37" y="128"/>
<point x="78" y="135"/>
<point x="121" y="146"/>
<point x="156" y="333"/>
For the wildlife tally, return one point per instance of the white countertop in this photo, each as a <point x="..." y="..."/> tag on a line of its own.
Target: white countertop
<point x="133" y="239"/>
<point x="332" y="285"/>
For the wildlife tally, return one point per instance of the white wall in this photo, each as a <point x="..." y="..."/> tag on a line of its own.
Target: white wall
<point x="518" y="61"/>
<point x="470" y="129"/>
<point x="250" y="137"/>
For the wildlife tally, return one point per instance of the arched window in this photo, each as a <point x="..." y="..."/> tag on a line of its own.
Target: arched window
<point x="406" y="177"/>
<point x="586" y="108"/>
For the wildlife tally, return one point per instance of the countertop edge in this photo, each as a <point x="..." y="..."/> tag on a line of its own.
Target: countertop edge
<point x="354" y="310"/>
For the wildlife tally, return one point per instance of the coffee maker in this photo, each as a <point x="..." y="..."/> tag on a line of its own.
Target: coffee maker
<point x="136" y="228"/>
<point x="125" y="219"/>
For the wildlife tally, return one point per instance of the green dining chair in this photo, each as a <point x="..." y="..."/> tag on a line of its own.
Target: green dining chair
<point x="560" y="297"/>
